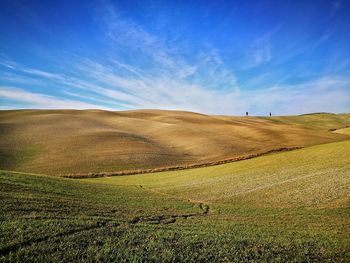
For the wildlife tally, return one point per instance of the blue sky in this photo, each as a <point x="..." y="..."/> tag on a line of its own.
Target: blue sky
<point x="216" y="57"/>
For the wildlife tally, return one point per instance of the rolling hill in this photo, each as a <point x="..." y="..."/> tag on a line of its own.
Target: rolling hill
<point x="316" y="176"/>
<point x="60" y="142"/>
<point x="282" y="207"/>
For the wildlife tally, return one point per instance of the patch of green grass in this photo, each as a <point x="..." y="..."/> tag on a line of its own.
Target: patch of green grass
<point x="318" y="121"/>
<point x="312" y="177"/>
<point x="291" y="206"/>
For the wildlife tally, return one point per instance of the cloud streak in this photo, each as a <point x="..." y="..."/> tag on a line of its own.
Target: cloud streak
<point x="259" y="52"/>
<point x="37" y="100"/>
<point x="331" y="94"/>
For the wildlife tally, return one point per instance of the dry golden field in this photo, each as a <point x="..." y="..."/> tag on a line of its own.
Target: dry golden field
<point x="59" y="142"/>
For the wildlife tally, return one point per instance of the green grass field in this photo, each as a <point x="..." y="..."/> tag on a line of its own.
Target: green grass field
<point x="317" y="121"/>
<point x="291" y="206"/>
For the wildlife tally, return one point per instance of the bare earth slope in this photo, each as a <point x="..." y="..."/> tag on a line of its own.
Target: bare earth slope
<point x="70" y="141"/>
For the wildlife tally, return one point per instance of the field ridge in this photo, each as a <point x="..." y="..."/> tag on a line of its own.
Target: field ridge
<point x="176" y="168"/>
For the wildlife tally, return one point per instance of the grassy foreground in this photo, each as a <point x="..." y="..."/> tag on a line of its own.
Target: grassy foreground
<point x="291" y="206"/>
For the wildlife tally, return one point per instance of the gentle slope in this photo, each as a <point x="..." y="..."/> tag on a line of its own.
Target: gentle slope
<point x="59" y="142"/>
<point x="284" y="207"/>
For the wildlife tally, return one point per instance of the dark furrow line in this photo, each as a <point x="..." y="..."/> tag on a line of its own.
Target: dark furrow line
<point x="153" y="219"/>
<point x="176" y="168"/>
<point x="6" y="250"/>
<point x="168" y="219"/>
<point x="337" y="129"/>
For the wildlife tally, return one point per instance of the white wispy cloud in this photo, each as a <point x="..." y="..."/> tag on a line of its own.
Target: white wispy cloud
<point x="157" y="91"/>
<point x="330" y="94"/>
<point x="136" y="91"/>
<point x="43" y="101"/>
<point x="158" y="52"/>
<point x="259" y="52"/>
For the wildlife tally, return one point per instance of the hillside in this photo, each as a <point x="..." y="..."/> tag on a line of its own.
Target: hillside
<point x="69" y="141"/>
<point x="283" y="207"/>
<point x="343" y="131"/>
<point x="317" y="176"/>
<point x="321" y="121"/>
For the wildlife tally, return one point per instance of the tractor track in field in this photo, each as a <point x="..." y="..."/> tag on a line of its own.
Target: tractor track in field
<point x="6" y="250"/>
<point x="160" y="219"/>
<point x="204" y="207"/>
<point x="146" y="219"/>
<point x="151" y="219"/>
<point x="169" y="219"/>
<point x="271" y="185"/>
<point x="193" y="201"/>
